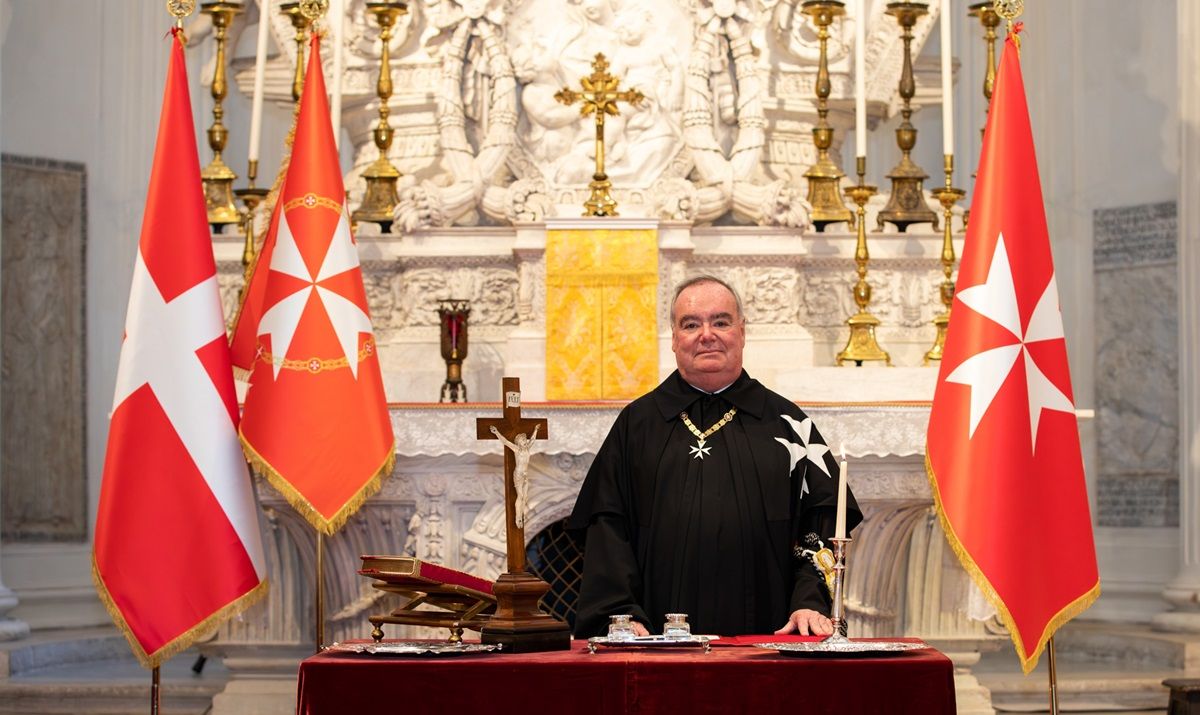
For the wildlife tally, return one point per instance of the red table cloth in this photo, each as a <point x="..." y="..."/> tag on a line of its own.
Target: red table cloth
<point x="732" y="678"/>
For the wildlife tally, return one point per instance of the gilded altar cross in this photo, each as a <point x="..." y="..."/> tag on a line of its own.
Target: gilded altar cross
<point x="509" y="429"/>
<point x="599" y="97"/>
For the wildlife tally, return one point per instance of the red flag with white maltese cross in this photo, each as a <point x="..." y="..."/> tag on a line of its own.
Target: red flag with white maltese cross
<point x="178" y="547"/>
<point x="1003" y="452"/>
<point x="315" y="421"/>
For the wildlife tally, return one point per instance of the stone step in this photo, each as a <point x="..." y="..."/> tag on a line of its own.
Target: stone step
<point x="93" y="671"/>
<point x="1079" y="691"/>
<point x="1131" y="646"/>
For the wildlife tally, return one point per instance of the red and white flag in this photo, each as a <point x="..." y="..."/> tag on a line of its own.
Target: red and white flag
<point x="1003" y="452"/>
<point x="177" y="547"/>
<point x="315" y="421"/>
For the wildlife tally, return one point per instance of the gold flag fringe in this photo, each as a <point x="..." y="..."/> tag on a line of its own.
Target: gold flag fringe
<point x="1029" y="660"/>
<point x="184" y="640"/>
<point x="328" y="526"/>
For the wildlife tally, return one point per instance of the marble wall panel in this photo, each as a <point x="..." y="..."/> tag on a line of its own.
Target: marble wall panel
<point x="1137" y="380"/>
<point x="42" y="391"/>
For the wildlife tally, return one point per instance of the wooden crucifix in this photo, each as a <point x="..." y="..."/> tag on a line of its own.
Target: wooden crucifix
<point x="519" y="623"/>
<point x="599" y="96"/>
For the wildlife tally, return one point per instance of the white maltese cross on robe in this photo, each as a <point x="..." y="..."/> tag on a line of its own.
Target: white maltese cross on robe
<point x="806" y="449"/>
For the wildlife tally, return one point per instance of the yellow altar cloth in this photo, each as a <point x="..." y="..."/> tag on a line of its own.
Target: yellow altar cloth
<point x="601" y="333"/>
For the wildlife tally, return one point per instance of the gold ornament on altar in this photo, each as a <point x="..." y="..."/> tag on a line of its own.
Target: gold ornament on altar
<point x="948" y="196"/>
<point x="862" y="345"/>
<point x="453" y="315"/>
<point x="906" y="205"/>
<point x="217" y="176"/>
<point x="599" y="97"/>
<point x="380" y="198"/>
<point x="824" y="176"/>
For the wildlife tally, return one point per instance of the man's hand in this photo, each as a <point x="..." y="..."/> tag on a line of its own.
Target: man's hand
<point x="640" y="630"/>
<point x="806" y="622"/>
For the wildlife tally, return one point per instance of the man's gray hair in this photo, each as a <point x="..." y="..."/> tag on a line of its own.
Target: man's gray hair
<point x="705" y="278"/>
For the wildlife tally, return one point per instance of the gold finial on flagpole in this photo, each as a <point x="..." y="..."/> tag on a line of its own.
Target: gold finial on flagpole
<point x="180" y="9"/>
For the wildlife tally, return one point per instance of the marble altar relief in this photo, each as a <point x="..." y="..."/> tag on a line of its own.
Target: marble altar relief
<point x="724" y="135"/>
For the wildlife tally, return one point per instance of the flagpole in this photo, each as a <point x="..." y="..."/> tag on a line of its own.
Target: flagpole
<point x="1053" y="678"/>
<point x="154" y="687"/>
<point x="320" y="606"/>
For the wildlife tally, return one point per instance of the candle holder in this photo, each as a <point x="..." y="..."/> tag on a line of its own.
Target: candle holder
<point x="380" y="199"/>
<point x="948" y="196"/>
<point x="217" y="177"/>
<point x="251" y="197"/>
<point x="453" y="314"/>
<point x="906" y="205"/>
<point x="824" y="177"/>
<point x="838" y="612"/>
<point x="300" y="23"/>
<point x="862" y="344"/>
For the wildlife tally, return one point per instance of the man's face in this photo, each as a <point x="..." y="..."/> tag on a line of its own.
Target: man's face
<point x="707" y="336"/>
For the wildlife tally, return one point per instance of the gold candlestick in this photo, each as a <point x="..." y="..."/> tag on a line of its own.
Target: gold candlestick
<point x="837" y="613"/>
<point x="824" y="177"/>
<point x="948" y="196"/>
<point x="906" y="205"/>
<point x="862" y="344"/>
<point x="251" y="197"/>
<point x="217" y="177"/>
<point x="599" y="97"/>
<point x="380" y="199"/>
<point x="986" y="12"/>
<point x="300" y="22"/>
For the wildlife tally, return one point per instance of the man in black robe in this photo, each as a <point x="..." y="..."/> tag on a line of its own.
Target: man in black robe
<point x="705" y="492"/>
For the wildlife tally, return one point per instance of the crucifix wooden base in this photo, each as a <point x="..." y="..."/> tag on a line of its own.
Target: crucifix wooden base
<point x="519" y="623"/>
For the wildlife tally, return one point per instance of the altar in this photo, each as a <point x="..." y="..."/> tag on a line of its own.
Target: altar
<point x="732" y="678"/>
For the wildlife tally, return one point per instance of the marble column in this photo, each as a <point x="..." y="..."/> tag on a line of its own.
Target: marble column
<point x="1183" y="592"/>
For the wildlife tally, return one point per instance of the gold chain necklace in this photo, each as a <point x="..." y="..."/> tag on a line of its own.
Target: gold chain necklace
<point x="699" y="451"/>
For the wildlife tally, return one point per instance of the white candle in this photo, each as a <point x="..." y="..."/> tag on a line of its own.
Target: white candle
<point x="839" y="529"/>
<point x="338" y="10"/>
<point x="860" y="78"/>
<point x="260" y="69"/>
<point x="947" y="94"/>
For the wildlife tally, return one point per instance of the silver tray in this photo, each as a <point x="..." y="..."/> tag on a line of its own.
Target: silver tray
<point x="652" y="642"/>
<point x="843" y="647"/>
<point x="412" y="648"/>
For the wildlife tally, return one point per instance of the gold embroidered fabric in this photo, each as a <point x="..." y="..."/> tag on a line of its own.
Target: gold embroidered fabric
<point x="601" y="290"/>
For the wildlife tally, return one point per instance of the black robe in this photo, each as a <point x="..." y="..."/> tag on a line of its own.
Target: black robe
<point x="711" y="537"/>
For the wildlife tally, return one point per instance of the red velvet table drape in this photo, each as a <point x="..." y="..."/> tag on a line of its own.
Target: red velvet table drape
<point x="734" y="677"/>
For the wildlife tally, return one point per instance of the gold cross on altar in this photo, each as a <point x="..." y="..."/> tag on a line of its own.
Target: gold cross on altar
<point x="599" y="97"/>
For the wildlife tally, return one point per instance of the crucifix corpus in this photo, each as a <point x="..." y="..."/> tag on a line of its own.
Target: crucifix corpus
<point x="599" y="97"/>
<point x="519" y="623"/>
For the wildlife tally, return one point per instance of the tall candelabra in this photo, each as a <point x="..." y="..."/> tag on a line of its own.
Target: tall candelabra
<point x="217" y="176"/>
<point x="862" y="344"/>
<point x="824" y="176"/>
<point x="251" y="197"/>
<point x="907" y="204"/>
<point x="380" y="199"/>
<point x="947" y="196"/>
<point x="300" y="23"/>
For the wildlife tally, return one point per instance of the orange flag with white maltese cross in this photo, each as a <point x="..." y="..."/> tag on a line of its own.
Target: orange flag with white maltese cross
<point x="315" y="421"/>
<point x="1002" y="451"/>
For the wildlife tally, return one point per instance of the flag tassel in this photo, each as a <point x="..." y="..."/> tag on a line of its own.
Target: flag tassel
<point x="320" y="600"/>
<point x="154" y="691"/>
<point x="1053" y="678"/>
